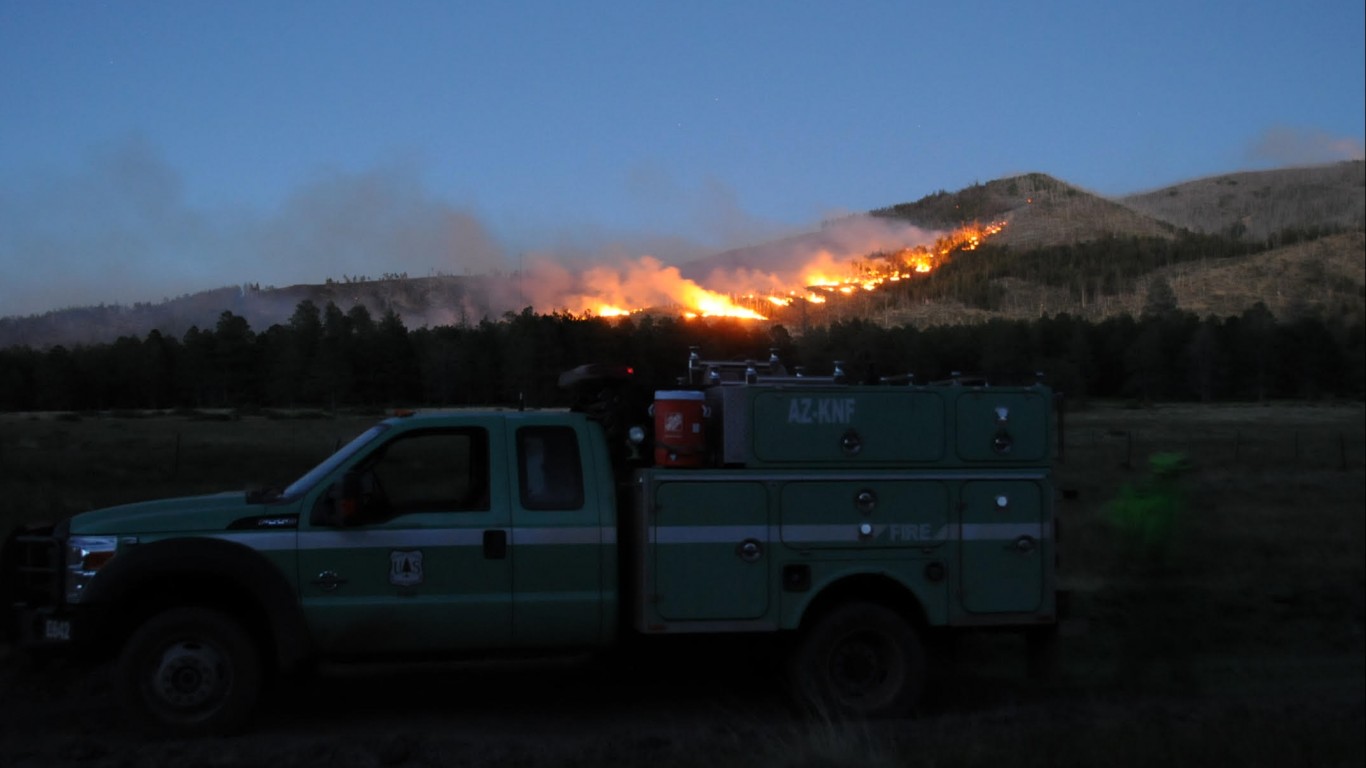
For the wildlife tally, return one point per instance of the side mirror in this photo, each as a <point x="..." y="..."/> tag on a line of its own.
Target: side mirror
<point x="350" y="499"/>
<point x="342" y="504"/>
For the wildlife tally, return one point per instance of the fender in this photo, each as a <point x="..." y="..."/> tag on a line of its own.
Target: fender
<point x="843" y="580"/>
<point x="152" y="567"/>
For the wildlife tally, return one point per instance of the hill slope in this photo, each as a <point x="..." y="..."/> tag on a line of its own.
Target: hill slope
<point x="1040" y="210"/>
<point x="1263" y="204"/>
<point x="1307" y="222"/>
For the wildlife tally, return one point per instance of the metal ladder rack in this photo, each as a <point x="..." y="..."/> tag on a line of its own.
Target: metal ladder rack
<point x="710" y="373"/>
<point x="706" y="373"/>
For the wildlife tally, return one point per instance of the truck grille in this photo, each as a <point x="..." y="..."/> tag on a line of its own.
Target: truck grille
<point x="31" y="565"/>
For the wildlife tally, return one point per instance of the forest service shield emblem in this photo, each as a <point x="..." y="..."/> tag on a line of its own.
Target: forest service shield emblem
<point x="405" y="568"/>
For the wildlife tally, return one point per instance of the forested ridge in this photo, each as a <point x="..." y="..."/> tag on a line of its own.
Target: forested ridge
<point x="324" y="358"/>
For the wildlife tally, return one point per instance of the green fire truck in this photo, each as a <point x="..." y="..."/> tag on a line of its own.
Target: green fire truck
<point x="847" y="522"/>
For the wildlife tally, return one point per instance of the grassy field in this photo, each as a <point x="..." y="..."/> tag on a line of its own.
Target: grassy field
<point x="1245" y="646"/>
<point x="57" y="464"/>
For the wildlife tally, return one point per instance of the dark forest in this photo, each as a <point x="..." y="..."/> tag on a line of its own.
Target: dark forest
<point x="324" y="358"/>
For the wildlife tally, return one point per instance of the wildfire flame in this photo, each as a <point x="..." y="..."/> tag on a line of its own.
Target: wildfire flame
<point x="869" y="274"/>
<point x="646" y="283"/>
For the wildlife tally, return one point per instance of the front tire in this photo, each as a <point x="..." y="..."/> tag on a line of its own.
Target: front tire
<point x="861" y="660"/>
<point x="189" y="672"/>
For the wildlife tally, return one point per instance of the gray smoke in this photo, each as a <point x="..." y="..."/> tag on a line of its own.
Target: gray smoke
<point x="119" y="230"/>
<point x="1287" y="146"/>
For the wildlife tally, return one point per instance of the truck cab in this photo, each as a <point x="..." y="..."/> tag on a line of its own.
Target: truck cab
<point x="455" y="532"/>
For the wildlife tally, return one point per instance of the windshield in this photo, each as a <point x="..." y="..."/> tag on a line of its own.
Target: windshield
<point x="317" y="473"/>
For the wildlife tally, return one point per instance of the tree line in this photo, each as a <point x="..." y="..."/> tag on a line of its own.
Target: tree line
<point x="328" y="358"/>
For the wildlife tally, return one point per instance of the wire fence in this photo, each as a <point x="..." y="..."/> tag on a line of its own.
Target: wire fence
<point x="1220" y="447"/>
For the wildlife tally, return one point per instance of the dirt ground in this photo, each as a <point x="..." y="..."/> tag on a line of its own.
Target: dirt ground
<point x="1255" y="710"/>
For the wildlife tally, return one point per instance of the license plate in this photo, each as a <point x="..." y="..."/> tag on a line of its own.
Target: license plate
<point x="56" y="629"/>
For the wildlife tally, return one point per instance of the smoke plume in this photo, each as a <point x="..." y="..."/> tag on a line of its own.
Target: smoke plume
<point x="1287" y="146"/>
<point x="118" y="230"/>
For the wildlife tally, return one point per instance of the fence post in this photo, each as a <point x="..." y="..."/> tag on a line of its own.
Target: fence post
<point x="175" y="459"/>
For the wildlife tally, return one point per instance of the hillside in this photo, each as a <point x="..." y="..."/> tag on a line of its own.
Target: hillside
<point x="1325" y="277"/>
<point x="419" y="301"/>
<point x="1308" y="223"/>
<point x="1257" y="206"/>
<point x="1040" y="209"/>
<point x="1291" y="239"/>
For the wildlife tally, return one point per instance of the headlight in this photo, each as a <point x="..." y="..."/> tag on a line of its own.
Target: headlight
<point x="85" y="555"/>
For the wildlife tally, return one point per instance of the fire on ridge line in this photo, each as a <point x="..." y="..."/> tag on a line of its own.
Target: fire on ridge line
<point x="817" y="280"/>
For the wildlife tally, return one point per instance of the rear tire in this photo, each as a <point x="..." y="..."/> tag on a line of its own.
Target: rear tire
<point x="189" y="672"/>
<point x="861" y="660"/>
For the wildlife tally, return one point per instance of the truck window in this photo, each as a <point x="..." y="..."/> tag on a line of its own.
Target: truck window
<point x="550" y="473"/>
<point x="443" y="470"/>
<point x="311" y="478"/>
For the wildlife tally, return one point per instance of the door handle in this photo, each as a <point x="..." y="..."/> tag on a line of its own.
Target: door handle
<point x="749" y="550"/>
<point x="328" y="581"/>
<point x="495" y="544"/>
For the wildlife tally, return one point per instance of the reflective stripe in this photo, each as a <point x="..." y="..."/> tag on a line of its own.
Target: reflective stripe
<point x="380" y="539"/>
<point x="797" y="534"/>
<point x="534" y="536"/>
<point x="415" y="537"/>
<point x="668" y="534"/>
<point x="706" y="534"/>
<point x="1002" y="531"/>
<point x="271" y="541"/>
<point x="909" y="533"/>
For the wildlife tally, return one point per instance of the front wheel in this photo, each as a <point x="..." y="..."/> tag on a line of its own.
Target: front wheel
<point x="861" y="660"/>
<point x="189" y="672"/>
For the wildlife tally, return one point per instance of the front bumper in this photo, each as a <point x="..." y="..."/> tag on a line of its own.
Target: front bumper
<point x="45" y="628"/>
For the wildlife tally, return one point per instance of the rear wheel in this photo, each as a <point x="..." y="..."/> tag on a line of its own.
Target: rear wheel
<point x="189" y="671"/>
<point x="861" y="660"/>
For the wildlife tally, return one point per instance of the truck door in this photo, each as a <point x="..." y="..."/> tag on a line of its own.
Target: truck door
<point x="560" y="545"/>
<point x="425" y="567"/>
<point x="1003" y="546"/>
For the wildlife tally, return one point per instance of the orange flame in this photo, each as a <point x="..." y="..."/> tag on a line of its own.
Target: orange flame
<point x="607" y="291"/>
<point x="869" y="274"/>
<point x="648" y="284"/>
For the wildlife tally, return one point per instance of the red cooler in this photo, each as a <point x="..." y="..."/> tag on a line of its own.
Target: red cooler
<point x="680" y="430"/>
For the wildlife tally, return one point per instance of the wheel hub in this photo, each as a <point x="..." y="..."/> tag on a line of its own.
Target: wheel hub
<point x="858" y="664"/>
<point x="189" y="675"/>
<point x="861" y="668"/>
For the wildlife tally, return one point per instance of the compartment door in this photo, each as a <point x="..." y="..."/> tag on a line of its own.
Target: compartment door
<point x="1003" y="427"/>
<point x="1003" y="546"/>
<point x="711" y="551"/>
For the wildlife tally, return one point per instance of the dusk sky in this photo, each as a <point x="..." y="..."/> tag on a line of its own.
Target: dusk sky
<point x="151" y="149"/>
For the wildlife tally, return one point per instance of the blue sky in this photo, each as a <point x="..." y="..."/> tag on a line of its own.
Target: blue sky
<point x="149" y="149"/>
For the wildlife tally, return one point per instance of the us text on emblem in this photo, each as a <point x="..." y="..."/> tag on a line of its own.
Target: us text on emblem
<point x="405" y="568"/>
